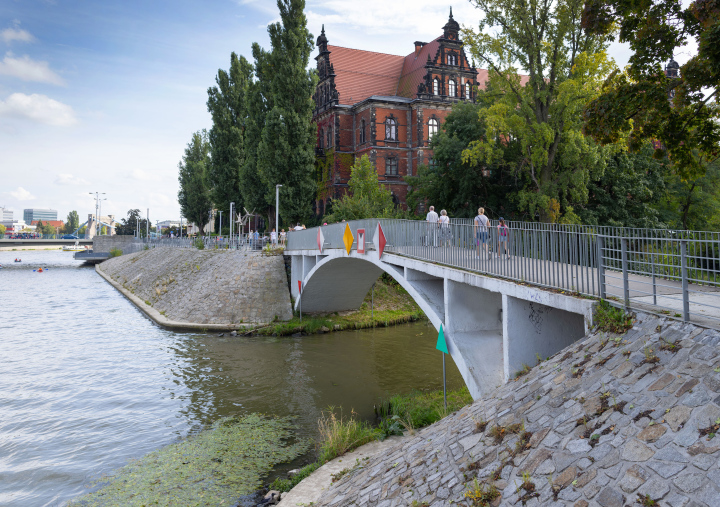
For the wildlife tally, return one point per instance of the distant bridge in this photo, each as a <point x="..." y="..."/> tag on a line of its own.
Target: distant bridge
<point x="501" y="312"/>
<point x="43" y="242"/>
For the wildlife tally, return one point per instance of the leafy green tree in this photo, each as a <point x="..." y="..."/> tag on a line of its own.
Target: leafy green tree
<point x="366" y="198"/>
<point x="628" y="193"/>
<point x="636" y="102"/>
<point x="72" y="222"/>
<point x="2" y="230"/>
<point x="227" y="105"/>
<point x="462" y="186"/>
<point x="692" y="203"/>
<point x="128" y="226"/>
<point x="286" y="152"/>
<point x="565" y="68"/>
<point x="194" y="193"/>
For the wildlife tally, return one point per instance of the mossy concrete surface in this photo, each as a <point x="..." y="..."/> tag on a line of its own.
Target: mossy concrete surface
<point x="214" y="289"/>
<point x="611" y="420"/>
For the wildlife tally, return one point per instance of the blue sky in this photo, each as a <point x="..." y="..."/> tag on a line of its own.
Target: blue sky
<point x="104" y="95"/>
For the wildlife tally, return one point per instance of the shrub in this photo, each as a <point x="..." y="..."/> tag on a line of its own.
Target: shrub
<point x="115" y="252"/>
<point x="198" y="243"/>
<point x="339" y="434"/>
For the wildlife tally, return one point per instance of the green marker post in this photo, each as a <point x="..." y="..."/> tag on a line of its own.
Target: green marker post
<point x="442" y="347"/>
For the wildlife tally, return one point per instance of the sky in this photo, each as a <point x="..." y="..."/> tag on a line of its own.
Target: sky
<point x="104" y="96"/>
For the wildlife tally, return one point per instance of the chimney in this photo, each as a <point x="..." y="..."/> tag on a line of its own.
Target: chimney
<point x="418" y="46"/>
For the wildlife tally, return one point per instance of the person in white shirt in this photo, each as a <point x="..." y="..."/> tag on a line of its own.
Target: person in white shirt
<point x="273" y="237"/>
<point x="481" y="230"/>
<point x="298" y="227"/>
<point x="444" y="221"/>
<point x="432" y="219"/>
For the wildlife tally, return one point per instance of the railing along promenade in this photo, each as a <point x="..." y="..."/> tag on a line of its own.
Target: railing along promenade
<point x="671" y="272"/>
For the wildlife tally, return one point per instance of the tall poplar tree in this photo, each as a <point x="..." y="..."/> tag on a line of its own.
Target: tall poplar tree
<point x="286" y="150"/>
<point x="227" y="105"/>
<point x="194" y="193"/>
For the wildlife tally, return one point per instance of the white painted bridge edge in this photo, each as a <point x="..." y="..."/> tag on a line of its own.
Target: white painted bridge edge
<point x="493" y="327"/>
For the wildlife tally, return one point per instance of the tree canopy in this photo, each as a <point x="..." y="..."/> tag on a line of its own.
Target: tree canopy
<point x="680" y="112"/>
<point x="72" y="222"/>
<point x="366" y="198"/>
<point x="194" y="194"/>
<point x="565" y="67"/>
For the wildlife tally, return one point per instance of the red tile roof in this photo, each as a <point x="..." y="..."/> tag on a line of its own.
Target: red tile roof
<point x="54" y="223"/>
<point x="413" y="72"/>
<point x="360" y="74"/>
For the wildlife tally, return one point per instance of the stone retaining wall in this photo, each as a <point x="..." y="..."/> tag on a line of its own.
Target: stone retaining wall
<point x="607" y="421"/>
<point x="213" y="287"/>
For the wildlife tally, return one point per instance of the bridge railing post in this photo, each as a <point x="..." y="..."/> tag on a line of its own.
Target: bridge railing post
<point x="626" y="288"/>
<point x="600" y="268"/>
<point x="684" y="275"/>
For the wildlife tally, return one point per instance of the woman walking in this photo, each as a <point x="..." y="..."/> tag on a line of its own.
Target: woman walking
<point x="502" y="238"/>
<point x="444" y="221"/>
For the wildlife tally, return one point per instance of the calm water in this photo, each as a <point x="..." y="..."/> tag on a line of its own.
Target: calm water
<point x="88" y="383"/>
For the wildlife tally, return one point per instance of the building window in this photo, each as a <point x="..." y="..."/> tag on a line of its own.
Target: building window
<point x="451" y="88"/>
<point x="436" y="86"/>
<point x="432" y="128"/>
<point x="390" y="129"/>
<point x="452" y="60"/>
<point x="322" y="137"/>
<point x="329" y="137"/>
<point x="391" y="166"/>
<point x="467" y="91"/>
<point x="432" y="163"/>
<point x="362" y="131"/>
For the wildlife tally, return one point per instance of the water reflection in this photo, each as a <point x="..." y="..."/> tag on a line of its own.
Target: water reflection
<point x="87" y="382"/>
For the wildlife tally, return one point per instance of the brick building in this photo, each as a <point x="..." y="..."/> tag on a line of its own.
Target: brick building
<point x="386" y="106"/>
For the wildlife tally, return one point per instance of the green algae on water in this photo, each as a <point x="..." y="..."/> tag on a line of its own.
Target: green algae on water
<point x="211" y="468"/>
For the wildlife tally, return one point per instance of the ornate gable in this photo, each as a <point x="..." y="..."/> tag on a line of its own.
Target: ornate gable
<point x="449" y="75"/>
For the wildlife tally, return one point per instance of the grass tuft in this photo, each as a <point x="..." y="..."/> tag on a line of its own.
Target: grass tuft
<point x="612" y="319"/>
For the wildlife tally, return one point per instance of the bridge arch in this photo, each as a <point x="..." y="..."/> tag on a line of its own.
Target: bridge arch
<point x="492" y="327"/>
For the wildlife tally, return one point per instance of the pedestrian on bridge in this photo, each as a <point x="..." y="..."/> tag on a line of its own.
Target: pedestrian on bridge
<point x="432" y="220"/>
<point x="445" y="235"/>
<point x="481" y="230"/>
<point x="503" y="238"/>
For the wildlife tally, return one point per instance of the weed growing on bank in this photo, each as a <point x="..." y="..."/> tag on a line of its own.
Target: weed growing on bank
<point x="393" y="305"/>
<point x="611" y="319"/>
<point x="341" y="434"/>
<point x="115" y="252"/>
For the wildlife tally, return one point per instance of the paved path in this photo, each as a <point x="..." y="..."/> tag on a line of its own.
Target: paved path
<point x="704" y="299"/>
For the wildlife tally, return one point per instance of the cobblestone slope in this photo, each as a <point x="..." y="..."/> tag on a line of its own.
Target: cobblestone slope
<point x="605" y="421"/>
<point x="206" y="286"/>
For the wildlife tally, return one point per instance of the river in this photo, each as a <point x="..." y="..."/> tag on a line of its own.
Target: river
<point x="87" y="383"/>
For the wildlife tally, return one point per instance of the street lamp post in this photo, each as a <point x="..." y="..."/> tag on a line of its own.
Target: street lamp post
<point x="97" y="203"/>
<point x="277" y="211"/>
<point x="232" y="205"/>
<point x="220" y="231"/>
<point x="147" y="225"/>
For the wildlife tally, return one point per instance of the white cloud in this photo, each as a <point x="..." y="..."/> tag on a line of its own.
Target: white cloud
<point x="38" y="108"/>
<point x="69" y="179"/>
<point x="21" y="194"/>
<point x="142" y="175"/>
<point x="27" y="69"/>
<point x="16" y="34"/>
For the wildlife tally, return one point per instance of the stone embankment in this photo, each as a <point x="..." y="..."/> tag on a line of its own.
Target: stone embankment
<point x="203" y="289"/>
<point x="610" y="421"/>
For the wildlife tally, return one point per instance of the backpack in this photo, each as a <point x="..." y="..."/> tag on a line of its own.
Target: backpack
<point x="503" y="230"/>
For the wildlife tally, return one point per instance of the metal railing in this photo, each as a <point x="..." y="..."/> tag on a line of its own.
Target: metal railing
<point x="676" y="273"/>
<point x="236" y="242"/>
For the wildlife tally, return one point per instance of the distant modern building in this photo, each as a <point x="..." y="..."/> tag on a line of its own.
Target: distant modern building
<point x="30" y="215"/>
<point x="5" y="214"/>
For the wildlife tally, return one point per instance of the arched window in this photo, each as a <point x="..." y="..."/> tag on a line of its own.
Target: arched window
<point x="390" y="129"/>
<point x="436" y="86"/>
<point x="467" y="91"/>
<point x="432" y="128"/>
<point x="451" y="88"/>
<point x="362" y="131"/>
<point x="321" y="139"/>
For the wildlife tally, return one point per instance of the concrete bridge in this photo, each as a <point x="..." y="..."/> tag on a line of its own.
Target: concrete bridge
<point x="498" y="312"/>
